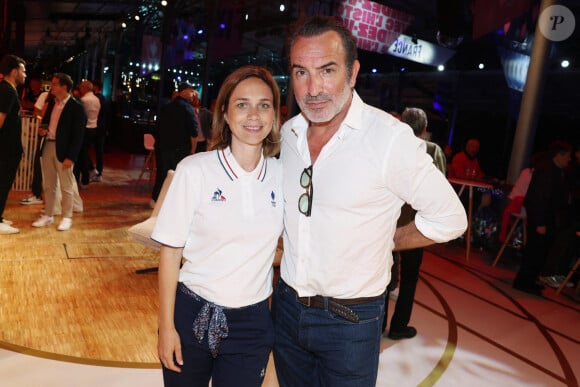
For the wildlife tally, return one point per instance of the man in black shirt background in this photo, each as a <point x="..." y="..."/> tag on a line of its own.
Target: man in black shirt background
<point x="176" y="136"/>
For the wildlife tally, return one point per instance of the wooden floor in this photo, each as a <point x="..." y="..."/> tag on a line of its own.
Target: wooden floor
<point x="75" y="293"/>
<point x="73" y="312"/>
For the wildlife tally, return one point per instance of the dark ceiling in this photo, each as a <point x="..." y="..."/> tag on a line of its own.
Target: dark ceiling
<point x="53" y="31"/>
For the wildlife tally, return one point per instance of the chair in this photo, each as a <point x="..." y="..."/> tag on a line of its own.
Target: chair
<point x="519" y="217"/>
<point x="571" y="273"/>
<point x="150" y="163"/>
<point x="141" y="232"/>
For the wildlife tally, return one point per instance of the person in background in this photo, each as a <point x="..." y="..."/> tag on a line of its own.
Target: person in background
<point x="30" y="95"/>
<point x="176" y="135"/>
<point x="410" y="260"/>
<point x="36" y="187"/>
<point x="101" y="133"/>
<point x="14" y="70"/>
<point x="348" y="169"/>
<point x="92" y="106"/>
<point x="214" y="318"/>
<point x="66" y="121"/>
<point x="517" y="195"/>
<point x="549" y="210"/>
<point x="204" y="118"/>
<point x="465" y="164"/>
<point x="35" y="198"/>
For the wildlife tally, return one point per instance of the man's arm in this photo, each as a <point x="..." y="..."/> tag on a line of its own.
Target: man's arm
<point x="409" y="237"/>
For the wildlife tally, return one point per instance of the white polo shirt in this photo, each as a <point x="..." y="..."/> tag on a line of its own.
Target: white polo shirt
<point x="363" y="175"/>
<point x="228" y="222"/>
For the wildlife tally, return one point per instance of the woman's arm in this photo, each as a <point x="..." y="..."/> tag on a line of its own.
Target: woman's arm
<point x="169" y="343"/>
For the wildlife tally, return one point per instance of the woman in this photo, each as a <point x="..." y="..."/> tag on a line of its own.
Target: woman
<point x="223" y="215"/>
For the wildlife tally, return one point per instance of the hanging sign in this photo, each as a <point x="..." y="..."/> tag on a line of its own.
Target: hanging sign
<point x="420" y="51"/>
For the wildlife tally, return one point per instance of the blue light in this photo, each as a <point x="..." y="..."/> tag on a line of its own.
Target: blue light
<point x="223" y="26"/>
<point x="185" y="37"/>
<point x="200" y="31"/>
<point x="403" y="69"/>
<point x="374" y="71"/>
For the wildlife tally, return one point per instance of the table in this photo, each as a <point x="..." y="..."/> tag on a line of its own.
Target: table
<point x="470" y="184"/>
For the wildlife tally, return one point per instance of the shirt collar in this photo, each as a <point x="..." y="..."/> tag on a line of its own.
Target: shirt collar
<point x="64" y="100"/>
<point x="353" y="119"/>
<point x="234" y="171"/>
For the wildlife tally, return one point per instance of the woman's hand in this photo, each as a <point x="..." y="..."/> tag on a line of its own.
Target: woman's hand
<point x="168" y="346"/>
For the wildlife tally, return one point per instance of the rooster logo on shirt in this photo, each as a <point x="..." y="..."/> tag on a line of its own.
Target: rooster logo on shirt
<point x="217" y="196"/>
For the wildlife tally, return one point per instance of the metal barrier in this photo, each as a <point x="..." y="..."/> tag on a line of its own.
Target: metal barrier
<point x="23" y="180"/>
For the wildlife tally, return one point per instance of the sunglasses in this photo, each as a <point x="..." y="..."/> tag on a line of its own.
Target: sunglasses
<point x="305" y="200"/>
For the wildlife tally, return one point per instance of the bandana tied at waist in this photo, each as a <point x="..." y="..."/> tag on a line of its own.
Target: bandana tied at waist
<point x="211" y="319"/>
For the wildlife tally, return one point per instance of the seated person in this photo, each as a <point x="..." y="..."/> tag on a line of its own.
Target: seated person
<point x="464" y="164"/>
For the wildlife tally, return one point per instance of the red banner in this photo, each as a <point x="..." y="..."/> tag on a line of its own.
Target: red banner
<point x="375" y="26"/>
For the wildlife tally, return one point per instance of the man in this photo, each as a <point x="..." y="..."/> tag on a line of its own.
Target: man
<point x="66" y="121"/>
<point x="30" y="95"/>
<point x="14" y="71"/>
<point x="465" y="163"/>
<point x="101" y="133"/>
<point x="204" y="118"/>
<point x="92" y="107"/>
<point x="410" y="260"/>
<point x="549" y="210"/>
<point x="177" y="134"/>
<point x="348" y="169"/>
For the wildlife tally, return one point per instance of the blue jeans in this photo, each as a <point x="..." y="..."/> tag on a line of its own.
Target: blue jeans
<point x="315" y="347"/>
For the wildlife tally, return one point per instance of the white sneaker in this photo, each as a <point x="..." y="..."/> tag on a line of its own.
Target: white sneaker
<point x="31" y="200"/>
<point x="6" y="221"/>
<point x="394" y="294"/>
<point x="43" y="221"/>
<point x="6" y="229"/>
<point x="65" y="224"/>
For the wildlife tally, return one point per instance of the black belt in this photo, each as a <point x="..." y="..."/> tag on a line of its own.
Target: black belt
<point x="338" y="306"/>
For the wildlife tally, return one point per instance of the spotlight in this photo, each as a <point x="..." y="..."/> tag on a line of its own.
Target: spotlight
<point x="137" y="17"/>
<point x="124" y="25"/>
<point x="440" y="68"/>
<point x="164" y="3"/>
<point x="481" y="66"/>
<point x="565" y="64"/>
<point x="282" y="7"/>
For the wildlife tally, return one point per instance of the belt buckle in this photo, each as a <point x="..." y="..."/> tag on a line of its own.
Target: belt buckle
<point x="301" y="300"/>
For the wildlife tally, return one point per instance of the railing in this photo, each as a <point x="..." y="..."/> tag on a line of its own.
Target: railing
<point x="23" y="180"/>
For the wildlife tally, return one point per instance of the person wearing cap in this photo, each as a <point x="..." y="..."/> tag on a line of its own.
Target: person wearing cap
<point x="176" y="135"/>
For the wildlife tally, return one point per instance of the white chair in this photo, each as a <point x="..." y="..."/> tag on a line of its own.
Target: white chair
<point x="149" y="165"/>
<point x="141" y="232"/>
<point x="519" y="217"/>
